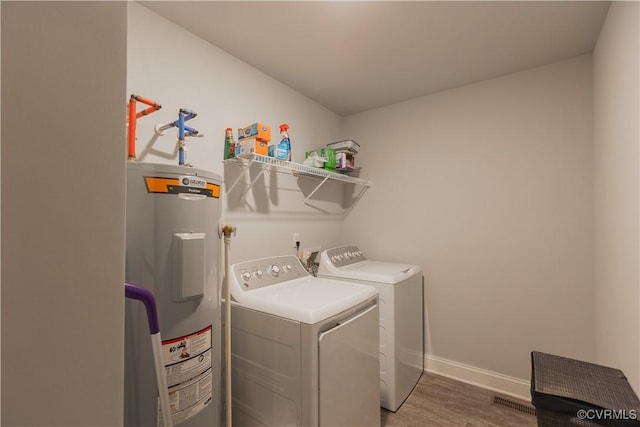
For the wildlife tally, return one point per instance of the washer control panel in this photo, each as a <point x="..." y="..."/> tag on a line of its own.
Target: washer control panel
<point x="258" y="273"/>
<point x="345" y="255"/>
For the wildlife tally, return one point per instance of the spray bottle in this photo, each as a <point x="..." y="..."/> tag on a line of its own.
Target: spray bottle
<point x="229" y="144"/>
<point x="283" y="150"/>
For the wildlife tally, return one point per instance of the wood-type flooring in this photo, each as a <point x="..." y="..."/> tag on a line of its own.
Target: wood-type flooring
<point x="441" y="402"/>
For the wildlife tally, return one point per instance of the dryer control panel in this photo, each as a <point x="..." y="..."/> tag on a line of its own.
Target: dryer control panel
<point x="344" y="255"/>
<point x="258" y="273"/>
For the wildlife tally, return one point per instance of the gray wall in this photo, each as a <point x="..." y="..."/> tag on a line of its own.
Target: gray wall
<point x="63" y="159"/>
<point x="489" y="188"/>
<point x="617" y="182"/>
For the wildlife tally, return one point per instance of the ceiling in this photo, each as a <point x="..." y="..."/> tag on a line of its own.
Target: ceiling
<point x="352" y="56"/>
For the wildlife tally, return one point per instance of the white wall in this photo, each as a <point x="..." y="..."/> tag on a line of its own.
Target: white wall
<point x="617" y="175"/>
<point x="489" y="188"/>
<point x="63" y="86"/>
<point x="177" y="69"/>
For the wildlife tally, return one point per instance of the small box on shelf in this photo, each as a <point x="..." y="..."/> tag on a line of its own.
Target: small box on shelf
<point x="250" y="146"/>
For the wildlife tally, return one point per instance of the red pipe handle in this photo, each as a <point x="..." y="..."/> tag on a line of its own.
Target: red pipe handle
<point x="133" y="116"/>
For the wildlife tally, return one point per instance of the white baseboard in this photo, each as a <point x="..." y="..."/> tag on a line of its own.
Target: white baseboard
<point x="503" y="384"/>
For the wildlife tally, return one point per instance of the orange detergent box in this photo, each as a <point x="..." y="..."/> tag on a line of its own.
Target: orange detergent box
<point x="250" y="146"/>
<point x="258" y="131"/>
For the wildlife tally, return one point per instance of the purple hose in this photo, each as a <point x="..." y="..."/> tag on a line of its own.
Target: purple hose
<point x="145" y="295"/>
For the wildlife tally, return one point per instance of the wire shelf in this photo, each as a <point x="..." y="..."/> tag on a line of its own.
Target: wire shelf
<point x="296" y="169"/>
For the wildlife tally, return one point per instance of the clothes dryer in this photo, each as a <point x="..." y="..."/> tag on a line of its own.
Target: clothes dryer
<point x="401" y="316"/>
<point x="304" y="349"/>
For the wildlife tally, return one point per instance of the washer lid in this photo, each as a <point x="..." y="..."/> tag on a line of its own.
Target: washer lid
<point x="374" y="271"/>
<point x="307" y="299"/>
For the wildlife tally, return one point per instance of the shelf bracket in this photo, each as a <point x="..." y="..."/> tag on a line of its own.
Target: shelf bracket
<point x="315" y="189"/>
<point x="232" y="186"/>
<point x="242" y="175"/>
<point x="253" y="182"/>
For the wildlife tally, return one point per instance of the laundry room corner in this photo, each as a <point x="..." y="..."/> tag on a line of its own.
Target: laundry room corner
<point x="491" y="189"/>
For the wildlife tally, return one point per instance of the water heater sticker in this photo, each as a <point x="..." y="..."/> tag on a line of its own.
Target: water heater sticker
<point x="187" y="361"/>
<point x="188" y="399"/>
<point x="184" y="184"/>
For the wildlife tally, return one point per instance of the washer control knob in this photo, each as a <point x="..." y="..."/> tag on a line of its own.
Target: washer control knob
<point x="258" y="274"/>
<point x="245" y="276"/>
<point x="273" y="270"/>
<point x="287" y="268"/>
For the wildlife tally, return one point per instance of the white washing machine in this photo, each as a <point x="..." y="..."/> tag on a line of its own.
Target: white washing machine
<point x="401" y="316"/>
<point x="304" y="349"/>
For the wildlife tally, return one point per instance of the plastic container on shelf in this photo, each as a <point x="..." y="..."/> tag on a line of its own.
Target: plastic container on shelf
<point x="346" y="145"/>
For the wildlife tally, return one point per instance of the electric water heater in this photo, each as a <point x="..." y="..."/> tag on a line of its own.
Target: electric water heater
<point x="172" y="250"/>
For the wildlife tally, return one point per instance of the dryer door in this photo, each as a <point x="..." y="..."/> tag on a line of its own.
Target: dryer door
<point x="348" y="366"/>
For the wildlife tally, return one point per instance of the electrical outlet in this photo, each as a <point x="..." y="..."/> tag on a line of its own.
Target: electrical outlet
<point x="296" y="239"/>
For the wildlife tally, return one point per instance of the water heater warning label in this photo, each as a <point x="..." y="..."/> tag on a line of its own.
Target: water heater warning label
<point x="187" y="361"/>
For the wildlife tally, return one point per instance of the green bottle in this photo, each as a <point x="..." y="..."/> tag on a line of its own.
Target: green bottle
<point x="229" y="144"/>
